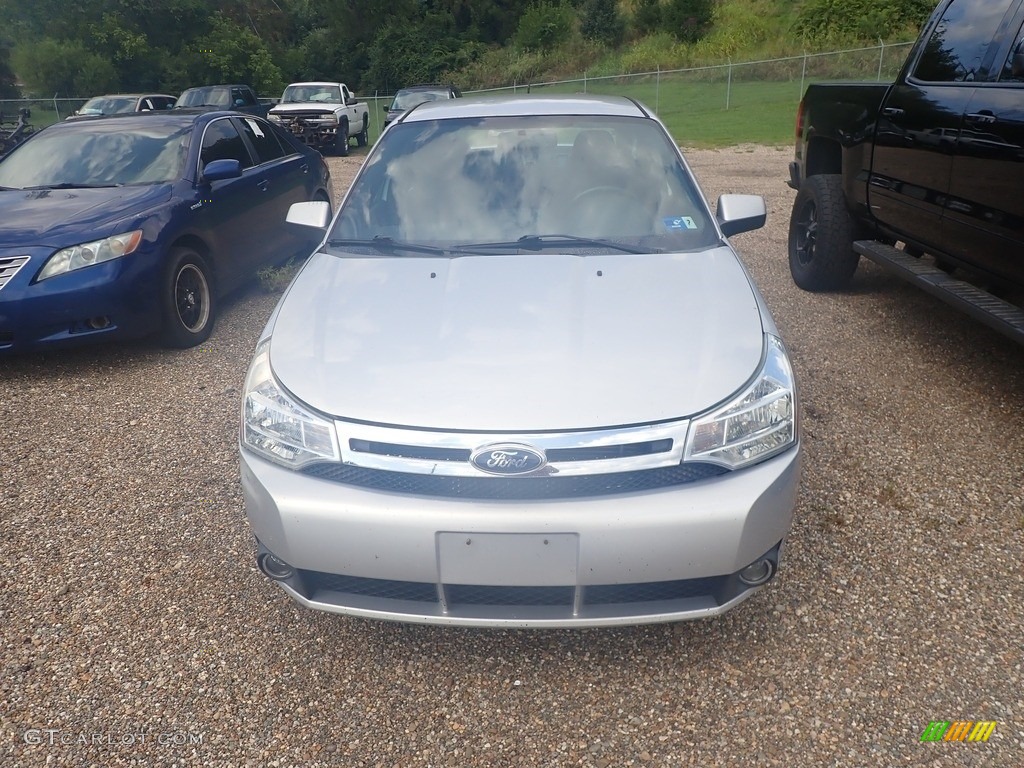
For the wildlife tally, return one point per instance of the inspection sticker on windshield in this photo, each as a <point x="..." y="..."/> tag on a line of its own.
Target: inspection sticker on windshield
<point x="679" y="222"/>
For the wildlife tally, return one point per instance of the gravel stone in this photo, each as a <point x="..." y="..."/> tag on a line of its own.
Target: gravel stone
<point x="135" y="629"/>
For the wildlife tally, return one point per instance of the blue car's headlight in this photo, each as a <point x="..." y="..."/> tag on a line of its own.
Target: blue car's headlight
<point x="278" y="428"/>
<point x="755" y="425"/>
<point x="87" y="254"/>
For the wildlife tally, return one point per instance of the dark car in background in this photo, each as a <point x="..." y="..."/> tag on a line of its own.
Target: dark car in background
<point x="119" y="103"/>
<point x="239" y="97"/>
<point x="414" y="95"/>
<point x="116" y="227"/>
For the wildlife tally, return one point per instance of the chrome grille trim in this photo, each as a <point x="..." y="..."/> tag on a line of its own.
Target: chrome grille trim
<point x="9" y="267"/>
<point x="437" y="453"/>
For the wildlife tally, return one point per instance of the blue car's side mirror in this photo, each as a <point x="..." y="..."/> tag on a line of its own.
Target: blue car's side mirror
<point x="215" y="170"/>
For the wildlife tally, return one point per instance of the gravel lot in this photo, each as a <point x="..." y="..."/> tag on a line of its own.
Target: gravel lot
<point x="136" y="629"/>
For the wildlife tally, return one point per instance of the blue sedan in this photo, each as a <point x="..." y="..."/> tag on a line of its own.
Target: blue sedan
<point x="129" y="225"/>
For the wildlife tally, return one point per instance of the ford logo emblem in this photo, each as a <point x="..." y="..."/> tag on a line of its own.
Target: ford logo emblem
<point x="507" y="459"/>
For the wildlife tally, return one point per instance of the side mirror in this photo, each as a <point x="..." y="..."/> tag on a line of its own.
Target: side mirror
<point x="350" y="101"/>
<point x="740" y="213"/>
<point x="216" y="170"/>
<point x="315" y="213"/>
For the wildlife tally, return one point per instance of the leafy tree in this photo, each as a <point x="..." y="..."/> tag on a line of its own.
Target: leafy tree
<point x="63" y="68"/>
<point x="602" y="21"/>
<point x="544" y="25"/>
<point x="687" y="20"/>
<point x="647" y="16"/>
<point x="8" y="87"/>
<point x="413" y="51"/>
<point x="230" y="53"/>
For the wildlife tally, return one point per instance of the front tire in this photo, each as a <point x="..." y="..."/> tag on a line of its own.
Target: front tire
<point x="363" y="137"/>
<point x="189" y="307"/>
<point x="821" y="235"/>
<point x="341" y="140"/>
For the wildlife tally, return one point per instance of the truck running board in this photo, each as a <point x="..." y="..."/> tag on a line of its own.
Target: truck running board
<point x="999" y="315"/>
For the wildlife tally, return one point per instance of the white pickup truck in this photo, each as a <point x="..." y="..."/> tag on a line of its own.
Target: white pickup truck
<point x="323" y="115"/>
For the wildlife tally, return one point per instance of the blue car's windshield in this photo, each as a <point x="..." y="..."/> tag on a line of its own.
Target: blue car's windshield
<point x="96" y="154"/>
<point x="522" y="182"/>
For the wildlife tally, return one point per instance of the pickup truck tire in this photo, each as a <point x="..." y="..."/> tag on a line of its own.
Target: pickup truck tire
<point x="341" y="139"/>
<point x="363" y="137"/>
<point x="188" y="299"/>
<point x="821" y="235"/>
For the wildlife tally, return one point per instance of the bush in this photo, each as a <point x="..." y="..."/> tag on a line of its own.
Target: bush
<point x="544" y="26"/>
<point x="602" y="21"/>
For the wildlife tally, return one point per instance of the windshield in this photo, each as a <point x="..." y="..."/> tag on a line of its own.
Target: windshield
<point x="301" y="94"/>
<point x="199" y="97"/>
<point x="109" y="105"/>
<point x="408" y="99"/>
<point x="492" y="181"/>
<point x="98" y="153"/>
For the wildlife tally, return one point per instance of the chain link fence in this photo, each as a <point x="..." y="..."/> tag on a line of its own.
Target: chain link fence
<point x="688" y="100"/>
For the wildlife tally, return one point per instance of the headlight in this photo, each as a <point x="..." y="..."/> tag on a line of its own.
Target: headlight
<point x="274" y="118"/>
<point x="329" y="119"/>
<point x="278" y="428"/>
<point x="87" y="254"/>
<point x="760" y="423"/>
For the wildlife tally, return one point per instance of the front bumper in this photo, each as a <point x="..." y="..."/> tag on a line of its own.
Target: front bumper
<point x="115" y="299"/>
<point x="653" y="556"/>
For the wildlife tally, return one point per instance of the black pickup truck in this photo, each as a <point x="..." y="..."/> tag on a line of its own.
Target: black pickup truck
<point x="925" y="175"/>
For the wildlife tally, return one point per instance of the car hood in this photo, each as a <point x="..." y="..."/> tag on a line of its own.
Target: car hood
<point x="305" y="106"/>
<point x="60" y="217"/>
<point x="518" y="343"/>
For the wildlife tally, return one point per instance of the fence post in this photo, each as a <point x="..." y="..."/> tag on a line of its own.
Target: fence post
<point x="803" y="76"/>
<point x="657" y="91"/>
<point x="881" y="55"/>
<point x="728" y="86"/>
<point x="55" y="110"/>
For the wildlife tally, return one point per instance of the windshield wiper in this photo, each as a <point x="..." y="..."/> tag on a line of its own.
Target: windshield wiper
<point x="545" y="242"/>
<point x="72" y="185"/>
<point x="382" y="243"/>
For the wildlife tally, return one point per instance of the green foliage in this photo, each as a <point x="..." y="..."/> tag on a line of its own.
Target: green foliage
<point x="63" y="68"/>
<point x="647" y="17"/>
<point x="602" y="21"/>
<point x="544" y="26"/>
<point x="403" y="53"/>
<point x="8" y="89"/>
<point x="230" y="53"/>
<point x="688" y="20"/>
<point x="824" y="21"/>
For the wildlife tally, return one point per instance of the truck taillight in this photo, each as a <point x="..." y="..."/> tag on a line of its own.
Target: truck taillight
<point x="800" y="120"/>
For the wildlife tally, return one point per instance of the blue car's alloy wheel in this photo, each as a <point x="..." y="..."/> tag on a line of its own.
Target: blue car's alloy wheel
<point x="188" y="316"/>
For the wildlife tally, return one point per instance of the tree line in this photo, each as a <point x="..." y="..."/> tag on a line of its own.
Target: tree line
<point x="71" y="48"/>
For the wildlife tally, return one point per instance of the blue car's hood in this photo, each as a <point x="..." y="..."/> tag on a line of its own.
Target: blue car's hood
<point x="60" y="217"/>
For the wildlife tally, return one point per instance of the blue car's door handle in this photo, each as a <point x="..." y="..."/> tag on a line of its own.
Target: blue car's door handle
<point x="305" y="167"/>
<point x="263" y="184"/>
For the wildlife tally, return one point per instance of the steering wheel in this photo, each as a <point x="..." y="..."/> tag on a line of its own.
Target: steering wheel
<point x="605" y="194"/>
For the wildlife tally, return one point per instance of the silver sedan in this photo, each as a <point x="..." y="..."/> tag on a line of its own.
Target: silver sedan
<point x="524" y="381"/>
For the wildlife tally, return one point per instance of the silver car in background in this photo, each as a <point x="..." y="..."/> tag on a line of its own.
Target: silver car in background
<point x="524" y="381"/>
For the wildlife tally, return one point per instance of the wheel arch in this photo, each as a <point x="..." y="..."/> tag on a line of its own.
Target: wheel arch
<point x="201" y="247"/>
<point x="824" y="156"/>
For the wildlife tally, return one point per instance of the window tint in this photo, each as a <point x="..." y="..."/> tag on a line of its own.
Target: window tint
<point x="242" y="97"/>
<point x="956" y="50"/>
<point x="1013" y="68"/>
<point x="222" y="142"/>
<point x="262" y="138"/>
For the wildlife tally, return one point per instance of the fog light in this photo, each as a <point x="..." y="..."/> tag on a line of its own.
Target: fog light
<point x="758" y="573"/>
<point x="274" y="567"/>
<point x="98" y="323"/>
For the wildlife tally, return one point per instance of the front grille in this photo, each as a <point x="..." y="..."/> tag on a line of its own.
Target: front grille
<point x="333" y="588"/>
<point x="581" y="453"/>
<point x="514" y="488"/>
<point x="9" y="267"/>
